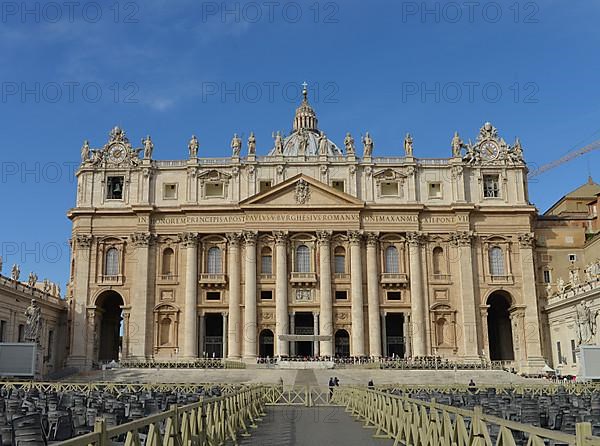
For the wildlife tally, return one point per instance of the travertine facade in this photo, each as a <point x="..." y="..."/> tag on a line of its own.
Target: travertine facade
<point x="568" y="263"/>
<point x="309" y="250"/>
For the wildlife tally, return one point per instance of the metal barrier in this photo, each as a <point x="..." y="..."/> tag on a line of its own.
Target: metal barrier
<point x="118" y="388"/>
<point x="297" y="396"/>
<point x="535" y="389"/>
<point x="409" y="421"/>
<point x="200" y="363"/>
<point x="211" y="421"/>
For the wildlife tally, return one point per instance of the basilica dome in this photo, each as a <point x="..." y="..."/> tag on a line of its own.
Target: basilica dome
<point x="305" y="137"/>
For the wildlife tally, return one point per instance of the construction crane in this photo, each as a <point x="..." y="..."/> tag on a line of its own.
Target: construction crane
<point x="568" y="157"/>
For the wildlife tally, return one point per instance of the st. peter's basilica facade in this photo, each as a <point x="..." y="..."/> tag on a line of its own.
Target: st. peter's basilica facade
<point x="311" y="250"/>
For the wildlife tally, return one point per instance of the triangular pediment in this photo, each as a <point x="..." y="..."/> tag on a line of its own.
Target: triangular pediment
<point x="302" y="191"/>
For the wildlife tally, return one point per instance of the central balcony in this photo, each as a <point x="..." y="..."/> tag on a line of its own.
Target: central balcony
<point x="303" y="279"/>
<point x="393" y="279"/>
<point x="213" y="280"/>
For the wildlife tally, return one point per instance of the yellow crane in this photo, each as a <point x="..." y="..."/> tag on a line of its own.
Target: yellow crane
<point x="568" y="157"/>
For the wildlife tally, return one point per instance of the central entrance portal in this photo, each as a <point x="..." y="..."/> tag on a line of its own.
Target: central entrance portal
<point x="394" y="335"/>
<point x="213" y="339"/>
<point x="304" y="325"/>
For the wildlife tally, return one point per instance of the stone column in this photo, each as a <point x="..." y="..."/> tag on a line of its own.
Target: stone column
<point x="190" y="312"/>
<point x="358" y="327"/>
<point x="532" y="341"/>
<point x="281" y="293"/>
<point x="79" y="357"/>
<point x="225" y="328"/>
<point x="485" y="350"/>
<point x="417" y="297"/>
<point x="316" y="333"/>
<point x="383" y="334"/>
<point x="234" y="325"/>
<point x="141" y="304"/>
<point x="249" y="332"/>
<point x="292" y="332"/>
<point x="202" y="336"/>
<point x="470" y="332"/>
<point x="325" y="299"/>
<point x="407" y="336"/>
<point x="373" y="296"/>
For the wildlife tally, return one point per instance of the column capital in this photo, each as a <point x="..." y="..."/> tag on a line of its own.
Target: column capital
<point x="225" y="313"/>
<point x="355" y="237"/>
<point x="189" y="239"/>
<point x="281" y="237"/>
<point x="250" y="237"/>
<point x="324" y="237"/>
<point x="416" y="238"/>
<point x="141" y="239"/>
<point x="372" y="238"/>
<point x="462" y="238"/>
<point x="527" y="240"/>
<point x="234" y="238"/>
<point x="83" y="241"/>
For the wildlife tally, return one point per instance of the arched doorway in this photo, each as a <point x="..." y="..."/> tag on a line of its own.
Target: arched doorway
<point x="109" y="314"/>
<point x="342" y="344"/>
<point x="499" y="327"/>
<point x="265" y="344"/>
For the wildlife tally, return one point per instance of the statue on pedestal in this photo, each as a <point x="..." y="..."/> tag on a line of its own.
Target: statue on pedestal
<point x="15" y="273"/>
<point x="278" y="144"/>
<point x="236" y="146"/>
<point x="252" y="144"/>
<point x="323" y="144"/>
<point x="148" y="147"/>
<point x="33" y="323"/>
<point x="33" y="278"/>
<point x="367" y="145"/>
<point x="586" y="323"/>
<point x="457" y="145"/>
<point x="349" y="144"/>
<point x="408" y="145"/>
<point x="193" y="147"/>
<point x="85" y="152"/>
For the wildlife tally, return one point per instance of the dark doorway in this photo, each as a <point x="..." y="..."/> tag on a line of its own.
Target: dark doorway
<point x="304" y="325"/>
<point x="499" y="328"/>
<point x="108" y="307"/>
<point x="342" y="344"/>
<point x="394" y="335"/>
<point x="265" y="344"/>
<point x="213" y="338"/>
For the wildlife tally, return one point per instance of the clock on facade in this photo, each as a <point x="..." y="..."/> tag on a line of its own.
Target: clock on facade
<point x="489" y="150"/>
<point x="117" y="153"/>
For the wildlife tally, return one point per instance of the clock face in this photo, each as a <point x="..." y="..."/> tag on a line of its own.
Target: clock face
<point x="117" y="153"/>
<point x="489" y="150"/>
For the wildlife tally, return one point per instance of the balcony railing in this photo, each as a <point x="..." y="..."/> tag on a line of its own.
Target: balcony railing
<point x="214" y="280"/>
<point x="394" y="279"/>
<point x="168" y="277"/>
<point x="267" y="277"/>
<point x="440" y="277"/>
<point x="341" y="276"/>
<point x="111" y="279"/>
<point x="304" y="278"/>
<point x="500" y="279"/>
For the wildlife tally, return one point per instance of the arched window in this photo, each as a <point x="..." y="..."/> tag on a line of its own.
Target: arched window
<point x="303" y="259"/>
<point x="266" y="261"/>
<point x="438" y="260"/>
<point x="339" y="259"/>
<point x="165" y="331"/>
<point x="496" y="261"/>
<point x="214" y="265"/>
<point x="168" y="262"/>
<point x="111" y="262"/>
<point x="391" y="260"/>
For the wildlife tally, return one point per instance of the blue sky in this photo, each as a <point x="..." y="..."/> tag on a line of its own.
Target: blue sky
<point x="172" y="69"/>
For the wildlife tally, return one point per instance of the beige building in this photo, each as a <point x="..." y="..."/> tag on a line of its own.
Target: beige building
<point x="568" y="264"/>
<point x="309" y="250"/>
<point x="15" y="298"/>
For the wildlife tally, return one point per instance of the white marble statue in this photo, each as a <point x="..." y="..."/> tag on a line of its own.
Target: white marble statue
<point x="367" y="145"/>
<point x="278" y="144"/>
<point x="236" y="146"/>
<point x="33" y="324"/>
<point x="457" y="145"/>
<point x="349" y="144"/>
<point x="148" y="147"/>
<point x="252" y="144"/>
<point x="15" y="273"/>
<point x="193" y="147"/>
<point x="408" y="145"/>
<point x="560" y="285"/>
<point x="85" y="152"/>
<point x="323" y="144"/>
<point x="32" y="280"/>
<point x="586" y="323"/>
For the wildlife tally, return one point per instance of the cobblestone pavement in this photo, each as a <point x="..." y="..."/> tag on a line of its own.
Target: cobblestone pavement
<point x="311" y="426"/>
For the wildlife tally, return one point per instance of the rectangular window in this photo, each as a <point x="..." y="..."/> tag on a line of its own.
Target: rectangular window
<point x="170" y="192"/>
<point x="114" y="188"/>
<point x="547" y="278"/>
<point x="394" y="295"/>
<point x="338" y="185"/>
<point x="214" y="189"/>
<point x="21" y="334"/>
<point x="559" y="352"/>
<point x="435" y="190"/>
<point x="266" y="264"/>
<point x="266" y="295"/>
<point x="491" y="188"/>
<point x="213" y="295"/>
<point x="340" y="264"/>
<point x="573" y="353"/>
<point x="389" y="189"/>
<point x="572" y="258"/>
<point x="341" y="295"/>
<point x="264" y="185"/>
<point x="2" y="331"/>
